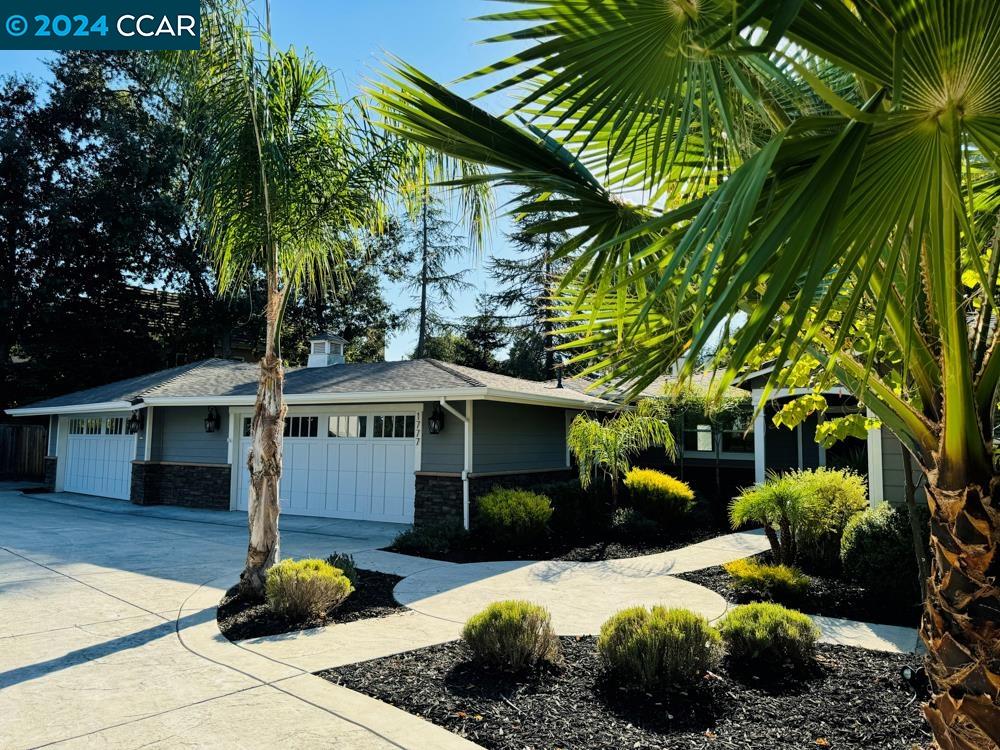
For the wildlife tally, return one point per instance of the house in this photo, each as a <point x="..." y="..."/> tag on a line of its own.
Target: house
<point x="409" y="441"/>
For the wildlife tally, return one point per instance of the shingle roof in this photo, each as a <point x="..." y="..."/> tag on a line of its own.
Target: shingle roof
<point x="223" y="378"/>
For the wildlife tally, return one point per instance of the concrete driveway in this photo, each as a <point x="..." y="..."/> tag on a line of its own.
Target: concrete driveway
<point x="108" y="637"/>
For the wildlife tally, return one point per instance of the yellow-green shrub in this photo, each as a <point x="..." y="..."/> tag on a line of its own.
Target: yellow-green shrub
<point x="305" y="588"/>
<point x="659" y="648"/>
<point x="764" y="637"/>
<point x="770" y="581"/>
<point x="512" y="516"/>
<point x="658" y="496"/>
<point x="832" y="497"/>
<point x="512" y="635"/>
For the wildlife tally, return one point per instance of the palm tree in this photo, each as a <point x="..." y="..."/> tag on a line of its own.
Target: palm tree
<point x="286" y="176"/>
<point x="812" y="181"/>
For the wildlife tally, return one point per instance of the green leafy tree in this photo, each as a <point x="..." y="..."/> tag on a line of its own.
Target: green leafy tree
<point x="789" y="165"/>
<point x="609" y="446"/>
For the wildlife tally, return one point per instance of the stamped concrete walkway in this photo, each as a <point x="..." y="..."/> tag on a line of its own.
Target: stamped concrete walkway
<point x="108" y="636"/>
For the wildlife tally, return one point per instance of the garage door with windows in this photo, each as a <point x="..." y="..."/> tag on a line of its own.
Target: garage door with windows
<point x="99" y="455"/>
<point x="356" y="464"/>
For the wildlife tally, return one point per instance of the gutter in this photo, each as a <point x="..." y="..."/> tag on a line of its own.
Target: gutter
<point x="30" y="411"/>
<point x="467" y="462"/>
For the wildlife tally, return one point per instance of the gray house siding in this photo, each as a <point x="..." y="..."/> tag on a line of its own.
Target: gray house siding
<point x="179" y="436"/>
<point x="513" y="437"/>
<point x="443" y="452"/>
<point x="893" y="473"/>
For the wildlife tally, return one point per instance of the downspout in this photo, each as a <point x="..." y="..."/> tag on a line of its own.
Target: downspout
<point x="467" y="462"/>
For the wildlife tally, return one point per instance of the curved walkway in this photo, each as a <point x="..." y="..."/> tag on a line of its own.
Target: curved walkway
<point x="580" y="595"/>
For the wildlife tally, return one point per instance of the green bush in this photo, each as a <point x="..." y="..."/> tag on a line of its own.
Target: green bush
<point x="576" y="512"/>
<point x="831" y="499"/>
<point x="345" y="564"/>
<point x="766" y="637"/>
<point x="780" y="582"/>
<point x="658" y="496"/>
<point x="876" y="551"/>
<point x="778" y="505"/>
<point x="430" y="540"/>
<point x="657" y="649"/>
<point x="512" y="635"/>
<point x="628" y="524"/>
<point x="300" y="589"/>
<point x="513" y="517"/>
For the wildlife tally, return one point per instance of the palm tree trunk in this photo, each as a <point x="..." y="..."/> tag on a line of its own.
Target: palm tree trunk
<point x="264" y="461"/>
<point x="961" y="621"/>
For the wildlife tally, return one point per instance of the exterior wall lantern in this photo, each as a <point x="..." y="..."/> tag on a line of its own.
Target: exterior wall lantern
<point x="212" y="420"/>
<point x="435" y="422"/>
<point x="135" y="422"/>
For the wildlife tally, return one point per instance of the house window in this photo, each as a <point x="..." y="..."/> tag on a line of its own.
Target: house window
<point x="347" y="426"/>
<point x="76" y="427"/>
<point x="94" y="426"/>
<point x="319" y="347"/>
<point x="301" y="427"/>
<point x="737" y="441"/>
<point x="114" y="426"/>
<point x="398" y="426"/>
<point x="699" y="439"/>
<point x="246" y="426"/>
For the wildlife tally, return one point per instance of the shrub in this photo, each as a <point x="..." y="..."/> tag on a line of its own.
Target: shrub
<point x="831" y="498"/>
<point x="778" y="505"/>
<point x="576" y="512"/>
<point x="765" y="636"/>
<point x="512" y="635"/>
<point x="431" y="540"/>
<point x="658" y="496"/>
<point x="345" y="564"/>
<point x="659" y="648"/>
<point x="770" y="581"/>
<point x="305" y="588"/>
<point x="877" y="552"/>
<point x="513" y="517"/>
<point x="629" y="524"/>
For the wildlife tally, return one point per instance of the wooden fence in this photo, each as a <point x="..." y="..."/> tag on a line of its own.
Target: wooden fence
<point x="22" y="451"/>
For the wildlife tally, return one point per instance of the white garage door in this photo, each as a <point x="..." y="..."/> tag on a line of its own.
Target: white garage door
<point x="99" y="457"/>
<point x="357" y="465"/>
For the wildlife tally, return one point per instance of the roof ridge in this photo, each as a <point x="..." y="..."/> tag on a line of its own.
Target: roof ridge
<point x="181" y="372"/>
<point x="462" y="376"/>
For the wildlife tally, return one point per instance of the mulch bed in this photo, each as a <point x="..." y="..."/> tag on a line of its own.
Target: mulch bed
<point x="852" y="699"/>
<point x="577" y="550"/>
<point x="241" y="617"/>
<point x="829" y="596"/>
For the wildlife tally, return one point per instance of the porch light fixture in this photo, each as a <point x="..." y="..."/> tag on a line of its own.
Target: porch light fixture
<point x="212" y="420"/>
<point x="135" y="422"/>
<point x="435" y="422"/>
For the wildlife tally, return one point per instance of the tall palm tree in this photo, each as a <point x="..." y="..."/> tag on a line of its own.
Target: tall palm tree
<point x="286" y="175"/>
<point x="814" y="182"/>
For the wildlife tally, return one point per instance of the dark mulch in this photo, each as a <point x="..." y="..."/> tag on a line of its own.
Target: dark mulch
<point x="833" y="597"/>
<point x="241" y="617"/>
<point x="588" y="549"/>
<point x="852" y="699"/>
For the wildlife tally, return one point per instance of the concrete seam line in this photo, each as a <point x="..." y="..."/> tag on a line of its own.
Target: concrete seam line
<point x="272" y="683"/>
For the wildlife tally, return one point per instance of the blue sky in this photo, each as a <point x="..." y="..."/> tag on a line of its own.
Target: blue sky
<point x="351" y="37"/>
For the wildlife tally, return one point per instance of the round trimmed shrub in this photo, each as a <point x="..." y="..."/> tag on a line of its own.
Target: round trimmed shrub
<point x="628" y="524"/>
<point x="658" y="496"/>
<point x="430" y="540"/>
<point x="657" y="649"/>
<point x="512" y="635"/>
<point x="769" y="581"/>
<point x="513" y="517"/>
<point x="832" y="498"/>
<point x="766" y="637"/>
<point x="876" y="552"/>
<point x="300" y="589"/>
